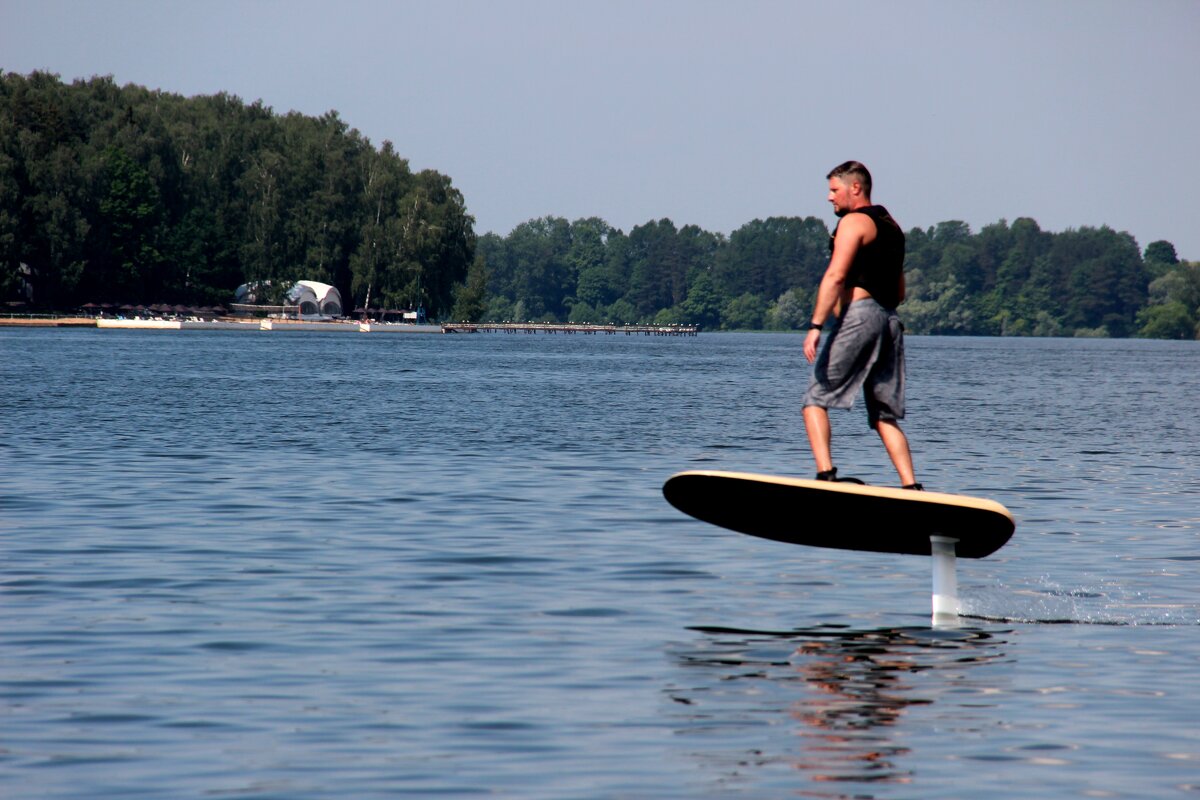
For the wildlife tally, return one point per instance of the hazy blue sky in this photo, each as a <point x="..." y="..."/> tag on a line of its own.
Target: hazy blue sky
<point x="710" y="113"/>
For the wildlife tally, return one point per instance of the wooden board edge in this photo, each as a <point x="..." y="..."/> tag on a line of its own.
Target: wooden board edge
<point x="893" y="493"/>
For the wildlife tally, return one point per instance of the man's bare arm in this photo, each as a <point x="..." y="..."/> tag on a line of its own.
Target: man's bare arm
<point x="852" y="234"/>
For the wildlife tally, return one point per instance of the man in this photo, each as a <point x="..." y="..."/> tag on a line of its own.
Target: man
<point x="857" y="300"/>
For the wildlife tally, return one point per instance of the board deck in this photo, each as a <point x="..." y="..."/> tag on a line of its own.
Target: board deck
<point x="844" y="516"/>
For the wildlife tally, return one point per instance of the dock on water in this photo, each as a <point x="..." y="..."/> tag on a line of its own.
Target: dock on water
<point x="254" y="324"/>
<point x="546" y="327"/>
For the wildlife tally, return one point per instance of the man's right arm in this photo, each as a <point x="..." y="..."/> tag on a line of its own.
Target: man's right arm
<point x="850" y="235"/>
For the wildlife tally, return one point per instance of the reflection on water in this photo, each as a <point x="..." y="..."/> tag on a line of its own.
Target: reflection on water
<point x="839" y="691"/>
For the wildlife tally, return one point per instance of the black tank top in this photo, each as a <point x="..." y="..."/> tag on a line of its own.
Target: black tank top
<point x="878" y="266"/>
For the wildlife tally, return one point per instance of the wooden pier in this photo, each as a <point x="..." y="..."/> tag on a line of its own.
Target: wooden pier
<point x="590" y="330"/>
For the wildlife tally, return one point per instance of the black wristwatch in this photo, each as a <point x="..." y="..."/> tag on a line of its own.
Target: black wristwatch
<point x="812" y="326"/>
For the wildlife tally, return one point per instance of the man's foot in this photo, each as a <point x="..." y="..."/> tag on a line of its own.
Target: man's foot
<point x="916" y="487"/>
<point x="831" y="475"/>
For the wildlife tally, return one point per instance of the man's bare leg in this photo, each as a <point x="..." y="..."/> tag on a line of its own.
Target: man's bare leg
<point x="816" y="423"/>
<point x="897" y="448"/>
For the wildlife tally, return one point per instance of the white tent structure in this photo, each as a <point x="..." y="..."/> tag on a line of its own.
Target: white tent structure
<point x="316" y="299"/>
<point x="304" y="299"/>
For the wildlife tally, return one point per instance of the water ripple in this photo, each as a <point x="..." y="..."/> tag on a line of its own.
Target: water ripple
<point x="443" y="567"/>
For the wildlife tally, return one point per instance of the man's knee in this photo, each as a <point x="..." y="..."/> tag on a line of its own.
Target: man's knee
<point x="878" y="424"/>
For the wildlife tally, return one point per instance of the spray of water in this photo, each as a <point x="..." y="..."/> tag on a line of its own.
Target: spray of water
<point x="1046" y="602"/>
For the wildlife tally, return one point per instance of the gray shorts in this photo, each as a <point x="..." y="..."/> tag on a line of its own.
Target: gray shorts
<point x="865" y="348"/>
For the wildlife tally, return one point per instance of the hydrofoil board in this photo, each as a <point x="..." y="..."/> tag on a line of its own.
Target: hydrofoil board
<point x="844" y="516"/>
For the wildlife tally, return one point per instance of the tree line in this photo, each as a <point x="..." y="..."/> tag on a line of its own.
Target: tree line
<point x="128" y="195"/>
<point x="1005" y="280"/>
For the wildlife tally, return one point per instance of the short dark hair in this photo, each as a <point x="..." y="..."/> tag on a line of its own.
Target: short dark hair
<point x="852" y="171"/>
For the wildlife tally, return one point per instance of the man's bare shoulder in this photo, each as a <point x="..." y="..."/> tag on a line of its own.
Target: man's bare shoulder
<point x="856" y="226"/>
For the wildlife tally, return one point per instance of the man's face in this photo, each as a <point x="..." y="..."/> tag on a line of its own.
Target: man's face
<point x="839" y="195"/>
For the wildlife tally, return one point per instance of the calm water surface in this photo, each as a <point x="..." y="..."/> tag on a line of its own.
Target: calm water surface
<point x="299" y="565"/>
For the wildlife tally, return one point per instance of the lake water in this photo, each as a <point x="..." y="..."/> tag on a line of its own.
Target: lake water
<point x="304" y="565"/>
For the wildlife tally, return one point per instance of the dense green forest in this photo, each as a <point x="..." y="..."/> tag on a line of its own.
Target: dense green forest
<point x="127" y="195"/>
<point x="1004" y="280"/>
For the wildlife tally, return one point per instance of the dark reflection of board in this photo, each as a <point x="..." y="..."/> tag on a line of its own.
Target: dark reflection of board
<point x="844" y="516"/>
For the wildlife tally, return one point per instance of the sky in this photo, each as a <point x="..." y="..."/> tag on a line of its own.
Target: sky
<point x="1074" y="113"/>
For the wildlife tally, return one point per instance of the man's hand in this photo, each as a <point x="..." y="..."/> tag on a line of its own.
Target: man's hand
<point x="810" y="344"/>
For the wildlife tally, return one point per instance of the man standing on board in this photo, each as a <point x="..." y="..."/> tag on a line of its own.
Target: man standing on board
<point x="857" y="300"/>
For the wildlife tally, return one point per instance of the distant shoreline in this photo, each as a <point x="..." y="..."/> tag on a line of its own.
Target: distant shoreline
<point x="338" y="326"/>
<point x="48" y="322"/>
<point x="228" y="324"/>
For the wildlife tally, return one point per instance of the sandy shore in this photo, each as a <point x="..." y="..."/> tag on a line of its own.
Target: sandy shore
<point x="48" y="322"/>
